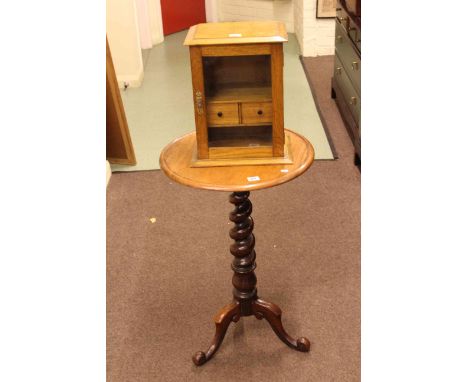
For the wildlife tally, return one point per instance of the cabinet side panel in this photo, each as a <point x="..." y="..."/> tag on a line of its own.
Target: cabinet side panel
<point x="277" y="98"/>
<point x="196" y="64"/>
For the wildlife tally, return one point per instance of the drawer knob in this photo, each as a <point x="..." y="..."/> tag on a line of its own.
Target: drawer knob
<point x="355" y="65"/>
<point x="339" y="39"/>
<point x="260" y="112"/>
<point x="344" y="21"/>
<point x="353" y="101"/>
<point x="220" y="114"/>
<point x="338" y="70"/>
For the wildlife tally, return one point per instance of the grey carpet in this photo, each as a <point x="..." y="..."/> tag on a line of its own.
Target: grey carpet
<point x="166" y="280"/>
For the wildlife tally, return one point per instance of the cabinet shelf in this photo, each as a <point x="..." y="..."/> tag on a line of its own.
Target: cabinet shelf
<point x="242" y="142"/>
<point x="235" y="136"/>
<point x="228" y="94"/>
<point x="239" y="125"/>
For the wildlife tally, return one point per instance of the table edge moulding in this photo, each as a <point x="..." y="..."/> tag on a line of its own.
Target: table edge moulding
<point x="176" y="158"/>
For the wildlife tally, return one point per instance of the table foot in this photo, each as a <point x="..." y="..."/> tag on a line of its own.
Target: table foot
<point x="272" y="313"/>
<point x="230" y="313"/>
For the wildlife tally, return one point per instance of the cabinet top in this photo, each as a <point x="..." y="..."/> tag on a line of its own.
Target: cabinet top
<point x="242" y="32"/>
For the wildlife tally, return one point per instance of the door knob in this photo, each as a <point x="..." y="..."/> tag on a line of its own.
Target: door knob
<point x="199" y="101"/>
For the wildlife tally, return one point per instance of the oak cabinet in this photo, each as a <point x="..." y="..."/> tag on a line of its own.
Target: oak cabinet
<point x="237" y="78"/>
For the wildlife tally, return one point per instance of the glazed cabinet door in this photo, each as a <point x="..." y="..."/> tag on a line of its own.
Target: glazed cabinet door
<point x="199" y="101"/>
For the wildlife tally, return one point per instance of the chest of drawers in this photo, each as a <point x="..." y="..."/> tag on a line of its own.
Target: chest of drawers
<point x="346" y="81"/>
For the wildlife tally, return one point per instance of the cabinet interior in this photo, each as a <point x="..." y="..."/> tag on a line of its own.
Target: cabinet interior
<point x="237" y="78"/>
<point x="245" y="136"/>
<point x="241" y="80"/>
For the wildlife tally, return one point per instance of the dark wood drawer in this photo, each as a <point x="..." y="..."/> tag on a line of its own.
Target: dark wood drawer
<point x="352" y="98"/>
<point x="222" y="114"/>
<point x="256" y="112"/>
<point x="342" y="18"/>
<point x="350" y="59"/>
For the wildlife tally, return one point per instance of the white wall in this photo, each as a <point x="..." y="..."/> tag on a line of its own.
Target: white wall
<point x="316" y="36"/>
<point x="155" y="18"/>
<point x="144" y="24"/>
<point x="124" y="41"/>
<point x="298" y="14"/>
<point x="244" y="10"/>
<point x="211" y="10"/>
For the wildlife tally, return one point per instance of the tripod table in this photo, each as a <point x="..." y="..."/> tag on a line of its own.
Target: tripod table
<point x="175" y="161"/>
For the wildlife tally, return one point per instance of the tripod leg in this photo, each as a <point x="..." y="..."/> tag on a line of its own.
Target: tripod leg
<point x="222" y="321"/>
<point x="272" y="313"/>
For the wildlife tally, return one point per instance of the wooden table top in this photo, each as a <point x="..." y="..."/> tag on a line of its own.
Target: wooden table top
<point x="176" y="157"/>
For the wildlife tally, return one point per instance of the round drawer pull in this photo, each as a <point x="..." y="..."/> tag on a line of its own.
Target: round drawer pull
<point x="260" y="112"/>
<point x="220" y="114"/>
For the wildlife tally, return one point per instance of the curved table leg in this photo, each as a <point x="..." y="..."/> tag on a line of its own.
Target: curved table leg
<point x="272" y="313"/>
<point x="222" y="321"/>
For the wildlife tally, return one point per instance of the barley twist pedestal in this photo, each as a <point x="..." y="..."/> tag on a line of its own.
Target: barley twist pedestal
<point x="175" y="161"/>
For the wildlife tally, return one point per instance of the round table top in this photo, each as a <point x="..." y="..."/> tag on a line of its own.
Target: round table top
<point x="176" y="158"/>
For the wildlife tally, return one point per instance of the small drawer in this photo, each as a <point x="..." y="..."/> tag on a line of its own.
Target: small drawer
<point x="256" y="112"/>
<point x="222" y="114"/>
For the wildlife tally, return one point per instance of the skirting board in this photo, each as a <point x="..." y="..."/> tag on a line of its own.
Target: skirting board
<point x="132" y="81"/>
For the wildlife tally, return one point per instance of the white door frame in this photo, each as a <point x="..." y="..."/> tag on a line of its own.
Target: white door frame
<point x="211" y="11"/>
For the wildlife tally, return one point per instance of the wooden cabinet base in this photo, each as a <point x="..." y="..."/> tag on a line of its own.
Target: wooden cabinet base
<point x="243" y="156"/>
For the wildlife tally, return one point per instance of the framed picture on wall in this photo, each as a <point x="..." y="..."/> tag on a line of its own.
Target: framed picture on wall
<point x="326" y="9"/>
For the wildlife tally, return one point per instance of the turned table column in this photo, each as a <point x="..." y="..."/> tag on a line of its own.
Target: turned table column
<point x="175" y="161"/>
<point x="246" y="302"/>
